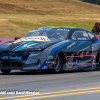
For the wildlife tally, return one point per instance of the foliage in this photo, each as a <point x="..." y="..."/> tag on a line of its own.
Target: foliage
<point x="92" y="1"/>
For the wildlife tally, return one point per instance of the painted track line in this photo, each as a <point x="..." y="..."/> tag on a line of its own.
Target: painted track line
<point x="65" y="94"/>
<point x="50" y="93"/>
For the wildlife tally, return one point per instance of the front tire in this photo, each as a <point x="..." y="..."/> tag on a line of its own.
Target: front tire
<point x="58" y="63"/>
<point x="5" y="71"/>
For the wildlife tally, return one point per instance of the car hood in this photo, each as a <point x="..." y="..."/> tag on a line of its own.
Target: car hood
<point x="29" y="43"/>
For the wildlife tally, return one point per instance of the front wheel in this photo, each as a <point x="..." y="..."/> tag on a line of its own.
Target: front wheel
<point x="5" y="71"/>
<point x="58" y="63"/>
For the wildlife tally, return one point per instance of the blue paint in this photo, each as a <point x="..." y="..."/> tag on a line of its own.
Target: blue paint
<point x="24" y="46"/>
<point x="58" y="48"/>
<point x="46" y="27"/>
<point x="92" y="44"/>
<point x="94" y="34"/>
<point x="89" y="68"/>
<point x="82" y="65"/>
<point x="44" y="65"/>
<point x="96" y="42"/>
<point x="52" y="53"/>
<point x="78" y="45"/>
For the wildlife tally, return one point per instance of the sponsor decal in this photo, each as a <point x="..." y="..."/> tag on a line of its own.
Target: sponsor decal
<point x="50" y="57"/>
<point x="77" y="63"/>
<point x="85" y="34"/>
<point x="51" y="63"/>
<point x="71" y="45"/>
<point x="47" y="62"/>
<point x="63" y="29"/>
<point x="73" y="38"/>
<point x="91" y="35"/>
<point x="10" y="43"/>
<point x="98" y="37"/>
<point x="10" y="57"/>
<point x="69" y="65"/>
<point x="79" y="59"/>
<point x="69" y="60"/>
<point x="26" y="45"/>
<point x="33" y="38"/>
<point x="73" y="61"/>
<point x="76" y="46"/>
<point x="12" y="53"/>
<point x="81" y="38"/>
<point x="45" y="67"/>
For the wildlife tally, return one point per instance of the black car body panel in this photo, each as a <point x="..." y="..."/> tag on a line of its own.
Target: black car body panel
<point x="79" y="48"/>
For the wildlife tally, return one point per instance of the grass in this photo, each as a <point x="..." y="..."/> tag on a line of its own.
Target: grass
<point x="47" y="7"/>
<point x="18" y="25"/>
<point x="17" y="17"/>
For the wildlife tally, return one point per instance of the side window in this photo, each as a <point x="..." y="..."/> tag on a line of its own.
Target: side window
<point x="61" y="34"/>
<point x="80" y="35"/>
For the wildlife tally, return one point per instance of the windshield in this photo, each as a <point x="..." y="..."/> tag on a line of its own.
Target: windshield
<point x="56" y="33"/>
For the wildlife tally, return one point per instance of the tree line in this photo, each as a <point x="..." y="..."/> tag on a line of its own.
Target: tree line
<point x="97" y="2"/>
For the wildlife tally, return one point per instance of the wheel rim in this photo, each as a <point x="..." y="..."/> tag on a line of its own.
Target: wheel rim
<point x="57" y="64"/>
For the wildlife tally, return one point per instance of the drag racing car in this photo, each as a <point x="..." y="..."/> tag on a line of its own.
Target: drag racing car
<point x="52" y="48"/>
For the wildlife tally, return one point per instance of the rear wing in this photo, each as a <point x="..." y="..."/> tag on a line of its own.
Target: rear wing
<point x="8" y="39"/>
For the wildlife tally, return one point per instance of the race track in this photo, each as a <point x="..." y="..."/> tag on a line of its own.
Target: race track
<point x="84" y="85"/>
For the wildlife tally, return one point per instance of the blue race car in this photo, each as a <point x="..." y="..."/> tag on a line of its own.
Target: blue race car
<point x="52" y="48"/>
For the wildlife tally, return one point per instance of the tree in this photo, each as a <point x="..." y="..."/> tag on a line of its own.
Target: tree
<point x="92" y="1"/>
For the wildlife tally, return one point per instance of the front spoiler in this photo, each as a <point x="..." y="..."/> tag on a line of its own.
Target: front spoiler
<point x="23" y="67"/>
<point x="19" y="68"/>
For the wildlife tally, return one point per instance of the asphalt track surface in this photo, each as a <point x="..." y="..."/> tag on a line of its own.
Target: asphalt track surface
<point x="83" y="85"/>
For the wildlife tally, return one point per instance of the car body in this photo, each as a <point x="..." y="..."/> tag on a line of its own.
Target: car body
<point x="52" y="48"/>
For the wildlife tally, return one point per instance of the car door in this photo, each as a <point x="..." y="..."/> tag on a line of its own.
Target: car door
<point x="79" y="51"/>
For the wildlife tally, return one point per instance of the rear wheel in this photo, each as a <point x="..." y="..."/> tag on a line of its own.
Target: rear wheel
<point x="98" y="62"/>
<point x="58" y="63"/>
<point x="5" y="71"/>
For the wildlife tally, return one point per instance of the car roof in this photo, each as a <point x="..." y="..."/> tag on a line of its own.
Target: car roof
<point x="57" y="27"/>
<point x="65" y="27"/>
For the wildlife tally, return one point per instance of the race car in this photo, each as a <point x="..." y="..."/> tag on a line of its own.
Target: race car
<point x="52" y="48"/>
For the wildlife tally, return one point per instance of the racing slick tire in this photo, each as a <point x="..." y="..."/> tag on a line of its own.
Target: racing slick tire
<point x="5" y="71"/>
<point x="58" y="63"/>
<point x="97" y="62"/>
